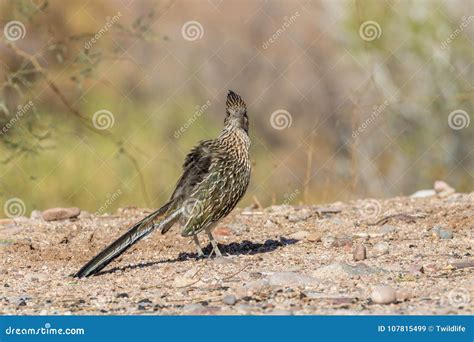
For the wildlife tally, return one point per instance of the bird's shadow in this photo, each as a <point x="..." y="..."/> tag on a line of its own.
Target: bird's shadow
<point x="235" y="248"/>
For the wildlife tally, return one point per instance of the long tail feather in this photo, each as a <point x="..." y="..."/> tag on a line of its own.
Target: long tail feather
<point x="138" y="231"/>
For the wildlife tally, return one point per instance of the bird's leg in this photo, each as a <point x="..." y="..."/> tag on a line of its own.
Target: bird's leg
<point x="215" y="248"/>
<point x="198" y="246"/>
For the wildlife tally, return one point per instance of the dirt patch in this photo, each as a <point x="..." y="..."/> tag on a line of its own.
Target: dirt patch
<point x="279" y="260"/>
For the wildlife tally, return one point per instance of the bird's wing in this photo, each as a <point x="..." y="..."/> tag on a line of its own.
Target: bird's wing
<point x="195" y="168"/>
<point x="217" y="194"/>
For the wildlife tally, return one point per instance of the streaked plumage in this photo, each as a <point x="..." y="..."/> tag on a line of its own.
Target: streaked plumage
<point x="215" y="176"/>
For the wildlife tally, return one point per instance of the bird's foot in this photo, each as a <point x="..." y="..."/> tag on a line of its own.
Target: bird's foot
<point x="215" y="248"/>
<point x="200" y="253"/>
<point x="217" y="251"/>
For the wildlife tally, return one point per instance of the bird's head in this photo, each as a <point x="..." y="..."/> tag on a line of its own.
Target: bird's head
<point x="236" y="112"/>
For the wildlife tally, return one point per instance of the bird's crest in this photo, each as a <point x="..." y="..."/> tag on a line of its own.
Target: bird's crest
<point x="235" y="102"/>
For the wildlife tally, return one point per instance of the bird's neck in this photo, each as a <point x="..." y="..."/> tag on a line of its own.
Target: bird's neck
<point x="236" y="134"/>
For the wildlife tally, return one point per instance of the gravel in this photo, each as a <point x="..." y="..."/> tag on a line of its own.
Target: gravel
<point x="266" y="270"/>
<point x="290" y="279"/>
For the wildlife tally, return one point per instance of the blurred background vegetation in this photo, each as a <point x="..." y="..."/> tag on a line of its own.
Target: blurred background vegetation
<point x="368" y="108"/>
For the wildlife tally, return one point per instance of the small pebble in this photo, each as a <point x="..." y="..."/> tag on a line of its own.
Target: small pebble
<point x="383" y="294"/>
<point x="387" y="229"/>
<point x="445" y="234"/>
<point x="144" y="304"/>
<point x="362" y="235"/>
<point x="229" y="299"/>
<point x="328" y="240"/>
<point x="145" y="301"/>
<point x="423" y="193"/>
<point x="443" y="189"/>
<point x="55" y="214"/>
<point x="430" y="268"/>
<point x="35" y="215"/>
<point x="342" y="242"/>
<point x="314" y="237"/>
<point x="416" y="269"/>
<point x="84" y="215"/>
<point x="301" y="235"/>
<point x="300" y="215"/>
<point x="381" y="247"/>
<point x="442" y="233"/>
<point x="360" y="253"/>
<point x="269" y="224"/>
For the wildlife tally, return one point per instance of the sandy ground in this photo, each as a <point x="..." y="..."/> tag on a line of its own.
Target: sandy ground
<point x="279" y="260"/>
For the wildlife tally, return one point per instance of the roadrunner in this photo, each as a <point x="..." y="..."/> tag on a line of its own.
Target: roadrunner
<point x="215" y="176"/>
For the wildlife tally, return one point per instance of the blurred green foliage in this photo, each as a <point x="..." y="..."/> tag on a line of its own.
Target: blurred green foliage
<point x="319" y="69"/>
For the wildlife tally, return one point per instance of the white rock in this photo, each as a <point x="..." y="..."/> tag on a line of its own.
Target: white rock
<point x="440" y="186"/>
<point x="383" y="294"/>
<point x="423" y="193"/>
<point x="381" y="247"/>
<point x="35" y="215"/>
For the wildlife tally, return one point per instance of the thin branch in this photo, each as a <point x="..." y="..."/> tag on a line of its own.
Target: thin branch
<point x="234" y="274"/>
<point x="83" y="119"/>
<point x="401" y="216"/>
